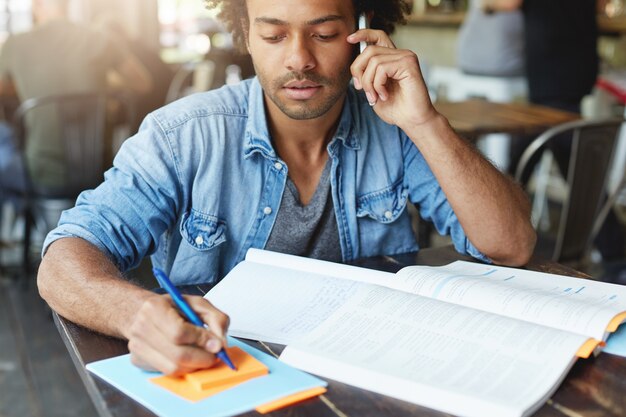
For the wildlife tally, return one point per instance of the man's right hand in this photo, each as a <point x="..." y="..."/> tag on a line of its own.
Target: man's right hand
<point x="160" y="339"/>
<point x="80" y="283"/>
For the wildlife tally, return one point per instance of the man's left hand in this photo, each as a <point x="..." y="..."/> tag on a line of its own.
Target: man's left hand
<point x="391" y="79"/>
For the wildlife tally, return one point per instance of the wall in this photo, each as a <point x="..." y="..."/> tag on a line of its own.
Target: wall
<point x="434" y="45"/>
<point x="138" y="17"/>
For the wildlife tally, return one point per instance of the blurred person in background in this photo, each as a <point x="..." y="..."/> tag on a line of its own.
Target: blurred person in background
<point x="160" y="73"/>
<point x="491" y="44"/>
<point x="561" y="57"/>
<point x="562" y="67"/>
<point x="58" y="57"/>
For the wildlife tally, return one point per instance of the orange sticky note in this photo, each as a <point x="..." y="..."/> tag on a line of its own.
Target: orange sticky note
<point x="198" y="385"/>
<point x="182" y="388"/>
<point x="290" y="400"/>
<point x="617" y="320"/>
<point x="247" y="367"/>
<point x="587" y="348"/>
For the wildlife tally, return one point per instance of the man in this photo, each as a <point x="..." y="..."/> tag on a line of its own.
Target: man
<point x="59" y="57"/>
<point x="210" y="176"/>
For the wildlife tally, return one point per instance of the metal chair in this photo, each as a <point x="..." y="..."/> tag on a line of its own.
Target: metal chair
<point x="192" y="77"/>
<point x="83" y="123"/>
<point x="592" y="151"/>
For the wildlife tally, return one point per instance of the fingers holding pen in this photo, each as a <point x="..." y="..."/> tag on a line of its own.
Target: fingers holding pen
<point x="160" y="339"/>
<point x="169" y="359"/>
<point x="216" y="320"/>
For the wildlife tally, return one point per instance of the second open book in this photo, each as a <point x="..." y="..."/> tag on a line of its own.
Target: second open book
<point x="467" y="339"/>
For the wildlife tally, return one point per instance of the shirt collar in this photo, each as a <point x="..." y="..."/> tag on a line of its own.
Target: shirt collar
<point x="257" y="134"/>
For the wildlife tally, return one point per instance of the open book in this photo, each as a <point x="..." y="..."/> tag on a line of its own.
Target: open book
<point x="467" y="339"/>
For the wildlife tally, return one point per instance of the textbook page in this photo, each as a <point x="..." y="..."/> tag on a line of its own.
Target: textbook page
<point x="447" y="357"/>
<point x="279" y="305"/>
<point x="577" y="305"/>
<point x="319" y="267"/>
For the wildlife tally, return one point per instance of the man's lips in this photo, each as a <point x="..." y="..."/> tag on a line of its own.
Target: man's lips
<point x="301" y="90"/>
<point x="301" y="84"/>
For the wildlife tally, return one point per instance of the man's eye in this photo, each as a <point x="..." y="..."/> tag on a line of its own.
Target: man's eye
<point x="326" y="37"/>
<point x="273" y="38"/>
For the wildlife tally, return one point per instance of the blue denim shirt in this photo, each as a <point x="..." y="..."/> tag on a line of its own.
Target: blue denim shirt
<point x="200" y="184"/>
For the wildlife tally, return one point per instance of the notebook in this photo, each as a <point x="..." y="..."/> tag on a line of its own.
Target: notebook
<point x="282" y="386"/>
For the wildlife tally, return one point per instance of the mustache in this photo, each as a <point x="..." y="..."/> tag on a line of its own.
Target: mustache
<point x="301" y="76"/>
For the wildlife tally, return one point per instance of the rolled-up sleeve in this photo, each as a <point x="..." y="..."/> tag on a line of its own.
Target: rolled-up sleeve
<point x="137" y="202"/>
<point x="425" y="192"/>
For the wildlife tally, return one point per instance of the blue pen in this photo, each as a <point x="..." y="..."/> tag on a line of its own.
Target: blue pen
<point x="187" y="311"/>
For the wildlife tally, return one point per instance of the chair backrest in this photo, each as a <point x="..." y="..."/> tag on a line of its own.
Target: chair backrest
<point x="592" y="151"/>
<point x="80" y="123"/>
<point x="192" y="77"/>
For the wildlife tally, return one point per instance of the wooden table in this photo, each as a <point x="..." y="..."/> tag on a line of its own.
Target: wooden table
<point x="594" y="387"/>
<point x="473" y="118"/>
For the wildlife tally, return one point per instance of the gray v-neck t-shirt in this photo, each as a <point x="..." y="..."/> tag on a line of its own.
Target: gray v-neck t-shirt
<point x="307" y="230"/>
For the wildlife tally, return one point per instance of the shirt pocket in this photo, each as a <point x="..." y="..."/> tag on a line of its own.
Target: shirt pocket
<point x="385" y="205"/>
<point x="202" y="231"/>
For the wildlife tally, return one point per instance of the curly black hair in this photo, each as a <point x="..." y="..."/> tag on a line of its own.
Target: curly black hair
<point x="386" y="15"/>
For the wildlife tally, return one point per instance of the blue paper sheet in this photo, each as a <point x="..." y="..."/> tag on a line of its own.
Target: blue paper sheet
<point x="616" y="343"/>
<point x="281" y="381"/>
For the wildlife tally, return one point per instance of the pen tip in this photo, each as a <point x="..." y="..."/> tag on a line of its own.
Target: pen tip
<point x="224" y="357"/>
<point x="230" y="364"/>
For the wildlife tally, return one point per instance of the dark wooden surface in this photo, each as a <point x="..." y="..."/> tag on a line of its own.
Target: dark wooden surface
<point x="594" y="387"/>
<point x="472" y="118"/>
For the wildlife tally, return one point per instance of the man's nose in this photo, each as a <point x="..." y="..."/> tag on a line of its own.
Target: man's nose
<point x="299" y="56"/>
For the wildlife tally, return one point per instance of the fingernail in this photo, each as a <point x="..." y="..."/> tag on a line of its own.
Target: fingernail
<point x="370" y="98"/>
<point x="212" y="345"/>
<point x="356" y="82"/>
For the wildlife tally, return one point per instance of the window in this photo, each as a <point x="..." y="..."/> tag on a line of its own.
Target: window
<point x="186" y="29"/>
<point x="15" y="16"/>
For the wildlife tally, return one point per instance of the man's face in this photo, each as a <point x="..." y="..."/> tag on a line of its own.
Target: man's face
<point x="300" y="53"/>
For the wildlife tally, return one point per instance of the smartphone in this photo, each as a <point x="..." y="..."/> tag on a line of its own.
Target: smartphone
<point x="363" y="24"/>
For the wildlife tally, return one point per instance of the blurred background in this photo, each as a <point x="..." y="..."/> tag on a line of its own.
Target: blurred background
<point x="173" y="48"/>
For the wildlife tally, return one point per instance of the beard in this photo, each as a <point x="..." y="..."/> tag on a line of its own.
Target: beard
<point x="332" y="91"/>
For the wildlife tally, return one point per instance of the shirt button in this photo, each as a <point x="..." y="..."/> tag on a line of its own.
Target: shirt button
<point x="267" y="210"/>
<point x="278" y="166"/>
<point x="388" y="214"/>
<point x="199" y="240"/>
